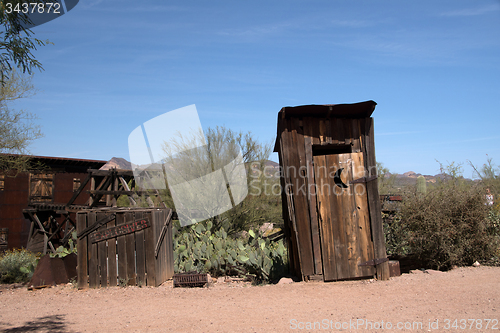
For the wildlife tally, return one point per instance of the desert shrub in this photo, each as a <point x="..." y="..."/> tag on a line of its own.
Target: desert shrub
<point x="449" y="225"/>
<point x="494" y="229"/>
<point x="197" y="248"/>
<point x="395" y="235"/>
<point x="17" y="266"/>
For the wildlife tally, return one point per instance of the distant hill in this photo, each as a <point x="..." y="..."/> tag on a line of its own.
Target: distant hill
<point x="411" y="177"/>
<point x="123" y="164"/>
<point x="400" y="180"/>
<point x="117" y="163"/>
<point x="407" y="179"/>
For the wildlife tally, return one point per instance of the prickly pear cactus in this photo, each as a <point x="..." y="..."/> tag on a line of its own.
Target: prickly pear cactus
<point x="196" y="248"/>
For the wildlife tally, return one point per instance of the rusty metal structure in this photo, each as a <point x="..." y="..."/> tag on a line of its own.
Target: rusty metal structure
<point x="42" y="193"/>
<point x="38" y="208"/>
<point x="105" y="187"/>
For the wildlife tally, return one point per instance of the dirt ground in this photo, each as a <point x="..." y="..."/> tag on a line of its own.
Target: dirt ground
<point x="418" y="302"/>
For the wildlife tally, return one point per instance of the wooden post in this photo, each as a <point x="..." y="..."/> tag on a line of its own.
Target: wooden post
<point x="374" y="202"/>
<point x="140" y="253"/>
<point x="82" y="258"/>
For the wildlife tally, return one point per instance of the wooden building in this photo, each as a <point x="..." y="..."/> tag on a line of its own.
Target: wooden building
<point x="330" y="197"/>
<point x="55" y="180"/>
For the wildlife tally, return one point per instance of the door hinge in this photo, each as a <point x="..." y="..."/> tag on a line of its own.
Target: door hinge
<point x="363" y="179"/>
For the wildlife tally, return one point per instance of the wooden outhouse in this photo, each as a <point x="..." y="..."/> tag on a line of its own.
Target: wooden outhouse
<point x="331" y="205"/>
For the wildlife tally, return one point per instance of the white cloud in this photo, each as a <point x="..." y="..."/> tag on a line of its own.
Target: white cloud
<point x="473" y="11"/>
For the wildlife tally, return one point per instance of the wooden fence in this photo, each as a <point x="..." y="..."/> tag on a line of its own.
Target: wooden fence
<point x="124" y="247"/>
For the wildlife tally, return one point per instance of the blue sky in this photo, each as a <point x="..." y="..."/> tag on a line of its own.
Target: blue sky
<point x="433" y="67"/>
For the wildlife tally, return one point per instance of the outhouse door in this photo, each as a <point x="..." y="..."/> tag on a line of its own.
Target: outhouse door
<point x="344" y="219"/>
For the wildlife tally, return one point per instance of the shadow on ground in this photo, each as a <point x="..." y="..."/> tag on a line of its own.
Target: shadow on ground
<point x="53" y="323"/>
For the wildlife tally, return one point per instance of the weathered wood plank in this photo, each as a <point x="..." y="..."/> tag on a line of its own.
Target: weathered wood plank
<point x="364" y="245"/>
<point x="329" y="131"/>
<point x="122" y="251"/>
<point x="102" y="173"/>
<point x="325" y="218"/>
<point x="93" y="262"/>
<point x="102" y="254"/>
<point x="164" y="226"/>
<point x="140" y="253"/>
<point x="346" y="124"/>
<point x="149" y="242"/>
<point x="115" y="187"/>
<point x="80" y="189"/>
<point x="112" y="267"/>
<point x="81" y="224"/>
<point x="374" y="202"/>
<point x="130" y="249"/>
<point x="288" y="208"/>
<point x="339" y="131"/>
<point x="322" y="132"/>
<point x="169" y="244"/>
<point x="356" y="148"/>
<point x="338" y="221"/>
<point x="300" y="198"/>
<point x="311" y="196"/>
<point x="160" y="255"/>
<point x="315" y="130"/>
<point x="350" y="215"/>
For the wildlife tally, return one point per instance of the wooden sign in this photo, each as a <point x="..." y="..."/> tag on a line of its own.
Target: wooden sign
<point x="119" y="230"/>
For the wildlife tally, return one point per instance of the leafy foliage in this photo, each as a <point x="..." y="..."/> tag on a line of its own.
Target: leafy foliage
<point x="385" y="180"/>
<point x="16" y="42"/>
<point x="17" y="266"/>
<point x="62" y="251"/>
<point x="17" y="127"/>
<point x="196" y="248"/>
<point x="489" y="173"/>
<point x="395" y="235"/>
<point x="222" y="147"/>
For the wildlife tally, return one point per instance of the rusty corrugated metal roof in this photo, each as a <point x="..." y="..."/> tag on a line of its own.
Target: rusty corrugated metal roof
<point x="56" y="162"/>
<point x="354" y="110"/>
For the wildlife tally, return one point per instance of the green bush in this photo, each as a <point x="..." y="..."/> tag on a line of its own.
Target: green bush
<point x="62" y="252"/>
<point x="197" y="248"/>
<point x="17" y="266"/>
<point x="395" y="235"/>
<point x="450" y="225"/>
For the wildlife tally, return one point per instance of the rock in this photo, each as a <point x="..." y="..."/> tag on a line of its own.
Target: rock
<point x="266" y="227"/>
<point x="416" y="271"/>
<point x="432" y="271"/>
<point x="221" y="279"/>
<point x="476" y="264"/>
<point x="285" y="281"/>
